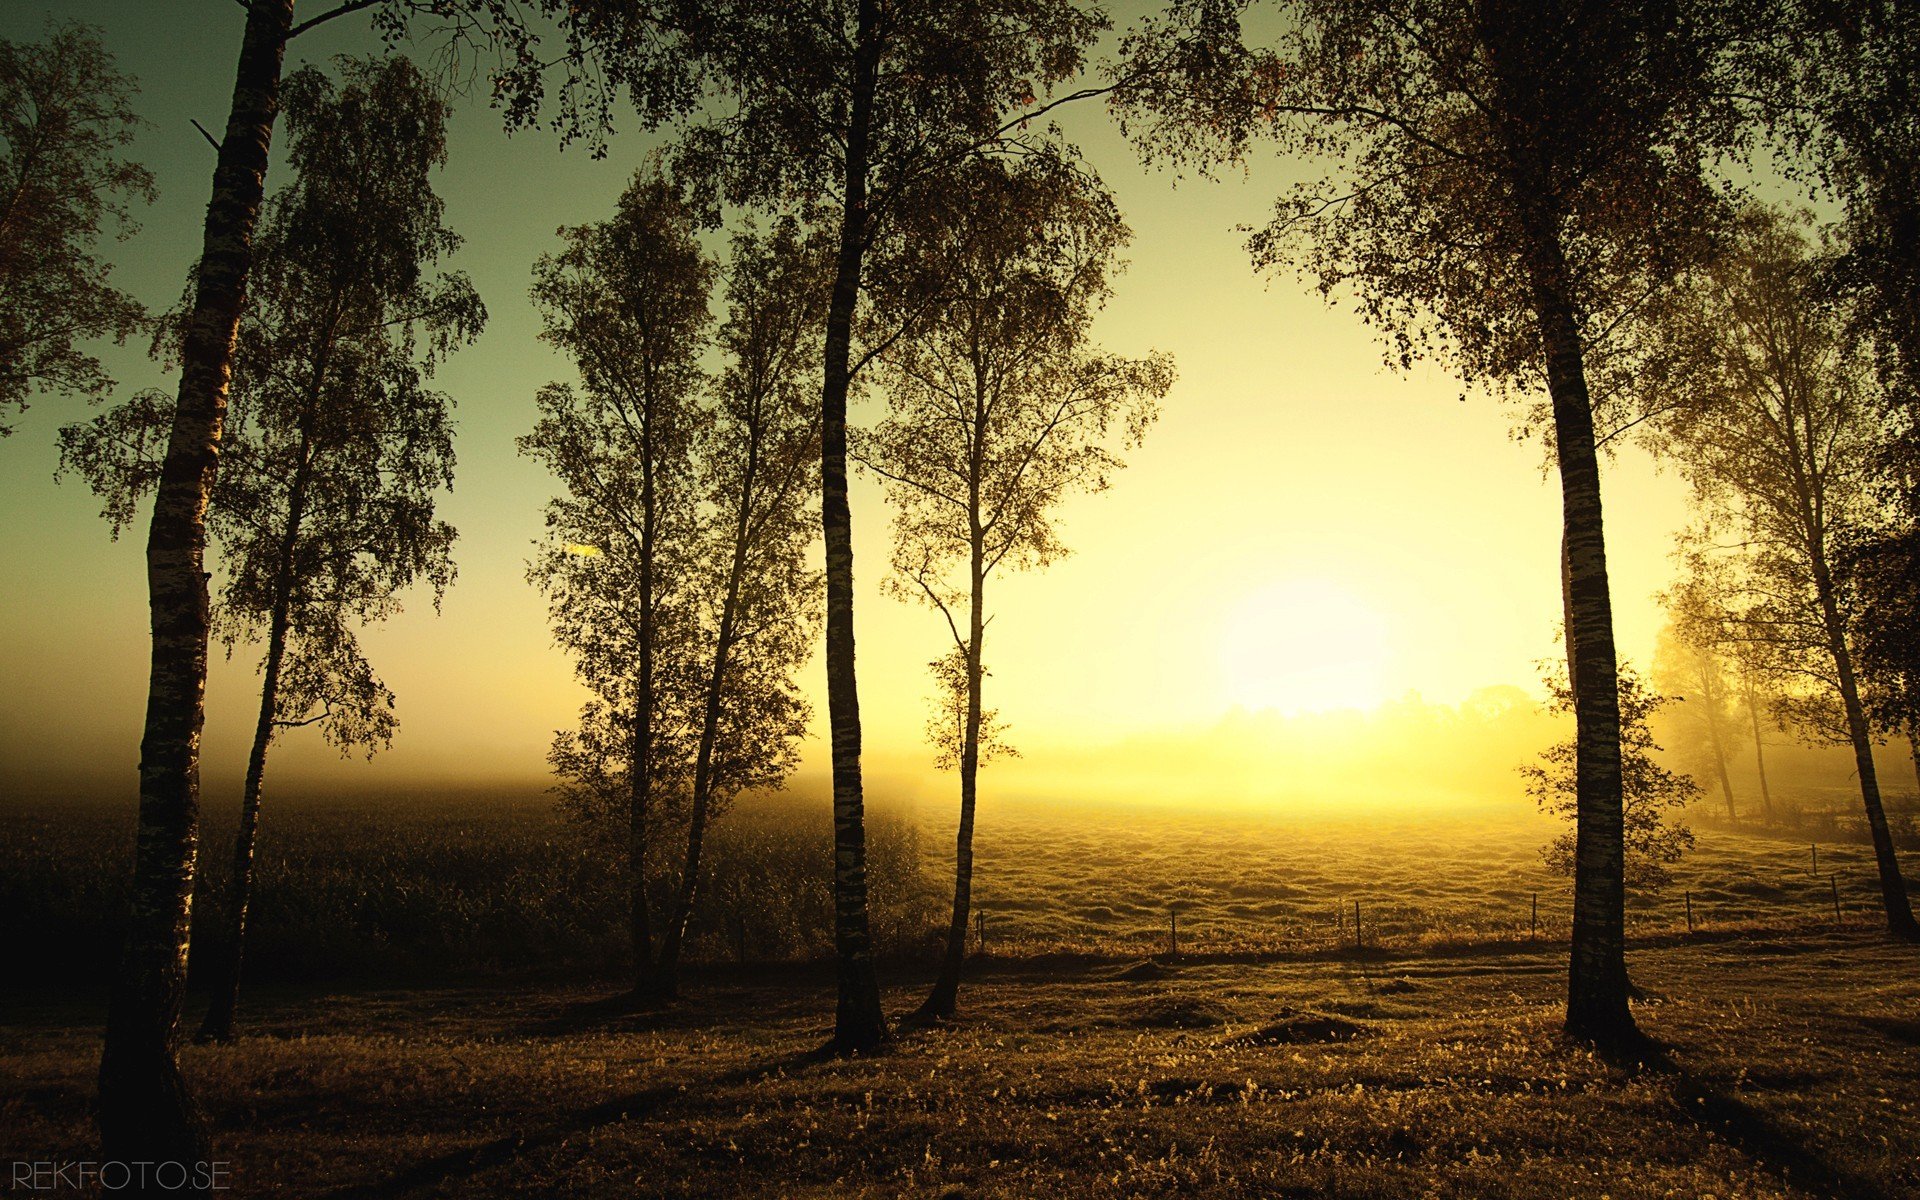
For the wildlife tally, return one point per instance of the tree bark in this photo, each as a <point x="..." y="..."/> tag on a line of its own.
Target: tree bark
<point x="641" y="775"/>
<point x="859" y="1023"/>
<point x="146" y="1112"/>
<point x="1597" y="976"/>
<point x="1759" y="756"/>
<point x="1711" y="694"/>
<point x="217" y="1026"/>
<point x="943" y="1003"/>
<point x="666" y="980"/>
<point x="639" y="920"/>
<point x="1893" y="887"/>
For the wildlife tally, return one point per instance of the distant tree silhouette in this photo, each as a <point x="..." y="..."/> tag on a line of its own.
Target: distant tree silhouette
<point x="1510" y="181"/>
<point x="146" y="1112"/>
<point x="1650" y="793"/>
<point x="1778" y="442"/>
<point x="756" y="609"/>
<point x="858" y="110"/>
<point x="1880" y="576"/>
<point x="335" y="447"/>
<point x="1690" y="668"/>
<point x="66" y="112"/>
<point x="676" y="564"/>
<point x="999" y="409"/>
<point x="1843" y="77"/>
<point x="626" y="299"/>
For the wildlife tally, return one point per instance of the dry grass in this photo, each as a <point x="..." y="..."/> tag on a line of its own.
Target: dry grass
<point x="1270" y="1060"/>
<point x="1793" y="1073"/>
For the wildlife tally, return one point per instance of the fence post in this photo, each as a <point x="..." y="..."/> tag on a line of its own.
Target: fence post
<point x="1833" y="881"/>
<point x="1815" y="848"/>
<point x="1358" y="942"/>
<point x="1533" y="926"/>
<point x="1689" y="912"/>
<point x="1173" y="931"/>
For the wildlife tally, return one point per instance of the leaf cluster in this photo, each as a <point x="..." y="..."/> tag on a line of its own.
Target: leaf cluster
<point x="675" y="556"/>
<point x="335" y="448"/>
<point x="1650" y="793"/>
<point x="66" y="116"/>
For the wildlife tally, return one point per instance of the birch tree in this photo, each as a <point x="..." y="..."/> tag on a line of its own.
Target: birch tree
<point x="999" y="409"/>
<point x="755" y="595"/>
<point x="856" y="109"/>
<point x="1778" y="444"/>
<point x="1691" y="668"/>
<point x="66" y="115"/>
<point x="1654" y="840"/>
<point x="146" y="1112"/>
<point x="336" y="449"/>
<point x="626" y="299"/>
<point x="1506" y="184"/>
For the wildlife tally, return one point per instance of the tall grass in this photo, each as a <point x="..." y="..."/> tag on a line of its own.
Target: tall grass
<point x="424" y="890"/>
<point x="444" y="889"/>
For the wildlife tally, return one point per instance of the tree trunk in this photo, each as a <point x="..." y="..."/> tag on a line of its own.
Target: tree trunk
<point x="1760" y="757"/>
<point x="146" y="1112"/>
<point x="666" y="980"/>
<point x="1711" y="695"/>
<point x="218" y="1023"/>
<point x="640" y="781"/>
<point x="944" y="1001"/>
<point x="859" y="1023"/>
<point x="1913" y="749"/>
<point x="1597" y="974"/>
<point x="1893" y="887"/>
<point x="639" y="921"/>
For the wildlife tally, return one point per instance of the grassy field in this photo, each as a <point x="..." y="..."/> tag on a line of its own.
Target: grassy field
<point x="439" y="889"/>
<point x="1794" y="1072"/>
<point x="429" y="1018"/>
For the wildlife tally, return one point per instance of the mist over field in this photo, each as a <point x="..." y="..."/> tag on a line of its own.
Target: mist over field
<point x="870" y="599"/>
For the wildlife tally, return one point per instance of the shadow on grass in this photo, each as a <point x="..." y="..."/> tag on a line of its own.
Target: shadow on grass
<point x="622" y="1012"/>
<point x="1763" y="1139"/>
<point x="1769" y="1144"/>
<point x="474" y="1160"/>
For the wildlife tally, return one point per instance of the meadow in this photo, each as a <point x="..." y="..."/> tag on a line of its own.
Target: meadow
<point x="428" y="1014"/>
<point x="455" y="888"/>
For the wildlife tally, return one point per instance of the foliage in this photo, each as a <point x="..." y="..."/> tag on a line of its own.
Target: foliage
<point x="1450" y="137"/>
<point x="1842" y="78"/>
<point x="335" y="447"/>
<point x="675" y="559"/>
<point x="759" y="465"/>
<point x="1649" y="792"/>
<point x="627" y="300"/>
<point x="1880" y="577"/>
<point x="1775" y="432"/>
<point x="998" y="407"/>
<point x="66" y="113"/>
<point x="947" y="723"/>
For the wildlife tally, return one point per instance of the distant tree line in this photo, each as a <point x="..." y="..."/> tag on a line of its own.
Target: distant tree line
<point x="1534" y="193"/>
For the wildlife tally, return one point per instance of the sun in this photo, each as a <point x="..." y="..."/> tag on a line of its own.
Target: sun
<point x="1304" y="645"/>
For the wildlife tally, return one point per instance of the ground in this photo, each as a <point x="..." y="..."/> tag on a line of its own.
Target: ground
<point x="1792" y="1070"/>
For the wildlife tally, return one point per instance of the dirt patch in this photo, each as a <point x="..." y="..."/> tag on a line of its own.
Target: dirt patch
<point x="1295" y="1028"/>
<point x="1179" y="1012"/>
<point x="1145" y="971"/>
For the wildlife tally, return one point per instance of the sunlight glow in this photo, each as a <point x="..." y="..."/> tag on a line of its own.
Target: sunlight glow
<point x="1304" y="645"/>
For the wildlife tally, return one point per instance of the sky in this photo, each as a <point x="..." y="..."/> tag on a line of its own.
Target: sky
<point x="1303" y="529"/>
